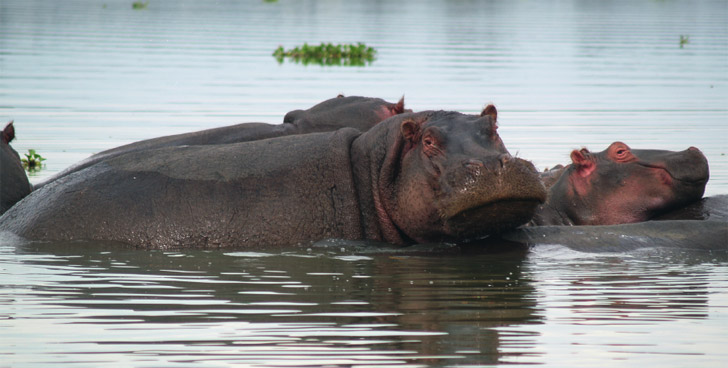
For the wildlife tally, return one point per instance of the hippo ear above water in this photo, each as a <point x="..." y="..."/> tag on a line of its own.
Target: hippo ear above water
<point x="410" y="131"/>
<point x="8" y="133"/>
<point x="399" y="107"/>
<point x="490" y="111"/>
<point x="584" y="166"/>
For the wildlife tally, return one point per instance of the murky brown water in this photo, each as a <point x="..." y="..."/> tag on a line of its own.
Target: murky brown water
<point x="81" y="76"/>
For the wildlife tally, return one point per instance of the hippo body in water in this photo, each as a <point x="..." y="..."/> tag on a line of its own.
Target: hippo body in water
<point x="354" y="111"/>
<point x="701" y="225"/>
<point x="620" y="185"/>
<point x="418" y="177"/>
<point x="612" y="194"/>
<point x="14" y="184"/>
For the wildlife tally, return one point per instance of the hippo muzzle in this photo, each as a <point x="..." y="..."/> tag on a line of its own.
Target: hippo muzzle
<point x="497" y="194"/>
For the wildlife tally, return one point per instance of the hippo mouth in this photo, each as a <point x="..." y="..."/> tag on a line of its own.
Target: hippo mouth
<point x="490" y="201"/>
<point x="492" y="217"/>
<point x="666" y="177"/>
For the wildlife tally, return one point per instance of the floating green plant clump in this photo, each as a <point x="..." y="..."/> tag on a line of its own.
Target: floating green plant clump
<point x="684" y="40"/>
<point x="32" y="161"/>
<point x="328" y="54"/>
<point x="139" y="5"/>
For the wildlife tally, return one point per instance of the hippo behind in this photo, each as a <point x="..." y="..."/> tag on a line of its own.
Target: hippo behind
<point x="354" y="111"/>
<point x="14" y="184"/>
<point x="360" y="113"/>
<point x="417" y="177"/>
<point x="620" y="185"/>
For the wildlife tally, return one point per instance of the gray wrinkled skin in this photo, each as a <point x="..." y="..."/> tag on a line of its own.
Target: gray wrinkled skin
<point x="701" y="225"/>
<point x="295" y="189"/>
<point x="354" y="111"/>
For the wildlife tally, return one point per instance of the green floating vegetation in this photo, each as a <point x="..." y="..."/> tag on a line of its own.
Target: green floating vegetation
<point x="684" y="40"/>
<point x="328" y="54"/>
<point x="139" y="5"/>
<point x="32" y="161"/>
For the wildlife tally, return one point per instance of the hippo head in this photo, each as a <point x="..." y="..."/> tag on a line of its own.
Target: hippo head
<point x="14" y="183"/>
<point x="354" y="111"/>
<point x="446" y="176"/>
<point x="622" y="185"/>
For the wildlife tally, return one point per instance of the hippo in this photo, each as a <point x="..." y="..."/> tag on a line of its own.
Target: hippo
<point x="702" y="235"/>
<point x="708" y="208"/>
<point x="621" y="185"/>
<point x="430" y="176"/>
<point x="14" y="184"/>
<point x="354" y="111"/>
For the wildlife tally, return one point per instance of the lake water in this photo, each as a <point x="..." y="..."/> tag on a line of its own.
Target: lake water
<point x="81" y="76"/>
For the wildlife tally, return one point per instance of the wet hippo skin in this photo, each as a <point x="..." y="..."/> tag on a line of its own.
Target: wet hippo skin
<point x="354" y="111"/>
<point x="417" y="177"/>
<point x="621" y="185"/>
<point x="14" y="184"/>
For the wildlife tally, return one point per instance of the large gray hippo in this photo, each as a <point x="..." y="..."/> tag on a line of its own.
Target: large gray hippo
<point x="357" y="112"/>
<point x="14" y="184"/>
<point x="621" y="185"/>
<point x="417" y="177"/>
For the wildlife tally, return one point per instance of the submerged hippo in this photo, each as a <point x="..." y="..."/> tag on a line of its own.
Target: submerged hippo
<point x="620" y="185"/>
<point x="356" y="112"/>
<point x="416" y="177"/>
<point x="714" y="208"/>
<point x="14" y="184"/>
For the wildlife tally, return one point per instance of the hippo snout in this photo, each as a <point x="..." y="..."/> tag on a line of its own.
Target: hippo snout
<point x="475" y="167"/>
<point x="689" y="166"/>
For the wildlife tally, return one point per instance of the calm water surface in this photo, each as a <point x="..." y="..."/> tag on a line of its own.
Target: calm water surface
<point x="81" y="76"/>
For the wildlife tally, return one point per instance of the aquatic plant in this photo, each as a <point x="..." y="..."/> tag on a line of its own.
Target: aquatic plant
<point x="139" y="5"/>
<point x="32" y="161"/>
<point x="684" y="40"/>
<point x="328" y="54"/>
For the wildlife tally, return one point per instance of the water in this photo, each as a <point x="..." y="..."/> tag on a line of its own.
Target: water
<point x="81" y="76"/>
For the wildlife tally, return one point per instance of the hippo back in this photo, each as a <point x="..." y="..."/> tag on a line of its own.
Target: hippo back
<point x="272" y="192"/>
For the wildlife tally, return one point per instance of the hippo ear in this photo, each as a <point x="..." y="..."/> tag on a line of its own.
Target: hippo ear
<point x="410" y="131"/>
<point x="340" y="95"/>
<point x="490" y="111"/>
<point x="584" y="166"/>
<point x="399" y="107"/>
<point x="8" y="133"/>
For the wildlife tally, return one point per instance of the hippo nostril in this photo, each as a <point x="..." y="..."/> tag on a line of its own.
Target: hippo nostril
<point x="474" y="163"/>
<point x="504" y="158"/>
<point x="474" y="166"/>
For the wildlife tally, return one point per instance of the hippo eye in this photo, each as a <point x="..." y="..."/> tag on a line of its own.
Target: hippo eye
<point x="428" y="141"/>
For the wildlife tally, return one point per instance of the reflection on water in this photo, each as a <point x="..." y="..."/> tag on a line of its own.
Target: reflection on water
<point x="90" y="305"/>
<point x="80" y="76"/>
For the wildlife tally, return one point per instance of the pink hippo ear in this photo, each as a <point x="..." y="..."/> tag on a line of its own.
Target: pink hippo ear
<point x="584" y="166"/>
<point x="8" y="133"/>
